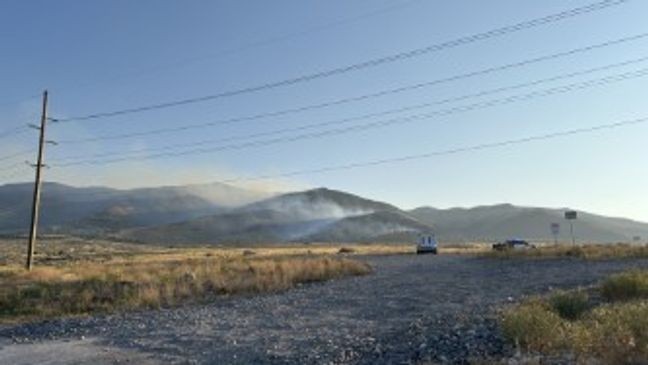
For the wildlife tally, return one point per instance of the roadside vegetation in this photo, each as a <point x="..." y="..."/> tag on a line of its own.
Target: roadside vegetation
<point x="95" y="287"/>
<point x="607" y="324"/>
<point x="588" y="251"/>
<point x="76" y="277"/>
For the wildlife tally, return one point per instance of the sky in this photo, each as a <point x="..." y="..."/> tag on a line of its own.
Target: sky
<point x="104" y="56"/>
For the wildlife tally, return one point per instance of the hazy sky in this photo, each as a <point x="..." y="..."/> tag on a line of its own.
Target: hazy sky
<point x="97" y="56"/>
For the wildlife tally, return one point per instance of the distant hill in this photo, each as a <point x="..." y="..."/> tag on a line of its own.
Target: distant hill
<point x="382" y="226"/>
<point x="498" y="222"/>
<point x="97" y="209"/>
<point x="227" y="215"/>
<point x="322" y="215"/>
<point x="321" y="203"/>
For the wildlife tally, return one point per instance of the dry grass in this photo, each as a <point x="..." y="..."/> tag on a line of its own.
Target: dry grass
<point x="589" y="251"/>
<point x="62" y="250"/>
<point x="77" y="276"/>
<point x="464" y="248"/>
<point x="95" y="287"/>
<point x="613" y="332"/>
<point x="626" y="286"/>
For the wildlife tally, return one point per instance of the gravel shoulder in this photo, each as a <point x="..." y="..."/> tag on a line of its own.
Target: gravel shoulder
<point x="411" y="309"/>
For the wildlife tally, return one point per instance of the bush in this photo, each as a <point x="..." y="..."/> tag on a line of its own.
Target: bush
<point x="587" y="252"/>
<point x="626" y="286"/>
<point x="248" y="253"/>
<point x="618" y="333"/>
<point x="612" y="333"/>
<point x="346" y="250"/>
<point x="569" y="305"/>
<point x="533" y="326"/>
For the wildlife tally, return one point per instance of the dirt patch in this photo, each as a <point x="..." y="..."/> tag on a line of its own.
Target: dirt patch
<point x="86" y="351"/>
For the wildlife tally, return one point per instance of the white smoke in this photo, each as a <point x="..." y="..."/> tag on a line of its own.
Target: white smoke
<point x="301" y="208"/>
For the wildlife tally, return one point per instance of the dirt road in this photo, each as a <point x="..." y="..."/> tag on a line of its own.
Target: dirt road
<point x="412" y="309"/>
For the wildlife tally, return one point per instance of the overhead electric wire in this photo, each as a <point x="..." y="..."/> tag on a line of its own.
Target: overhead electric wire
<point x="13" y="131"/>
<point x="12" y="167"/>
<point x="381" y="123"/>
<point x="12" y="175"/>
<point x="263" y="42"/>
<point x="472" y="148"/>
<point x="359" y="97"/>
<point x="5" y="103"/>
<point x="364" y="64"/>
<point x="364" y="116"/>
<point x="17" y="154"/>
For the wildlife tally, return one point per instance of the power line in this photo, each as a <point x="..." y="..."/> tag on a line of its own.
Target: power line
<point x="18" y="170"/>
<point x="13" y="166"/>
<point x="13" y="131"/>
<point x="453" y="151"/>
<point x="265" y="42"/>
<point x="369" y="115"/>
<point x="381" y="123"/>
<point x="17" y="154"/>
<point x="365" y="64"/>
<point x="359" y="97"/>
<point x="20" y="101"/>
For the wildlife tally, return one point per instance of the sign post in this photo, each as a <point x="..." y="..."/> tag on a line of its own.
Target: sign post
<point x="555" y="230"/>
<point x="571" y="216"/>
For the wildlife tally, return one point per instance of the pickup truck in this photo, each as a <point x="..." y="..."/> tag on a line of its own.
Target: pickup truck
<point x="513" y="244"/>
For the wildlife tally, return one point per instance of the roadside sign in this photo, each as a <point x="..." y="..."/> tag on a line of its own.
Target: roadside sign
<point x="555" y="228"/>
<point x="571" y="214"/>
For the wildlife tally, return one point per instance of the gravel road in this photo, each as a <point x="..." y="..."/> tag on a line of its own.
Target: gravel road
<point x="412" y="309"/>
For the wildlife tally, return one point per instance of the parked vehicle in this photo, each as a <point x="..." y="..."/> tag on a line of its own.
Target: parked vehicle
<point x="512" y="244"/>
<point x="427" y="244"/>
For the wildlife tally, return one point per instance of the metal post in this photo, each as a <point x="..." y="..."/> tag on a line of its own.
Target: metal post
<point x="37" y="186"/>
<point x="571" y="231"/>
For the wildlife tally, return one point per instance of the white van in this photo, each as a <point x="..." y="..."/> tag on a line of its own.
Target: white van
<point x="427" y="244"/>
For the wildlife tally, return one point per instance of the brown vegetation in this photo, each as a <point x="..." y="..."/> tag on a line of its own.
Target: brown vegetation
<point x="588" y="251"/>
<point x="91" y="287"/>
<point x="77" y="276"/>
<point x="614" y="331"/>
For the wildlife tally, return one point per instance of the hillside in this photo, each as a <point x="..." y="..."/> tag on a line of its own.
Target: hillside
<point x="383" y="226"/>
<point x="321" y="203"/>
<point x="498" y="222"/>
<point x="313" y="215"/>
<point x="98" y="209"/>
<point x="223" y="214"/>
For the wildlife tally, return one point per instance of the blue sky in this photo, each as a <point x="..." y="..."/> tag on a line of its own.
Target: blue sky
<point x="110" y="55"/>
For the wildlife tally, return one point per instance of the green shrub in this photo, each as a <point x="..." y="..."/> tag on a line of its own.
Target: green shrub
<point x="533" y="326"/>
<point x="618" y="333"/>
<point x="610" y="333"/>
<point x="626" y="286"/>
<point x="346" y="250"/>
<point x="569" y="305"/>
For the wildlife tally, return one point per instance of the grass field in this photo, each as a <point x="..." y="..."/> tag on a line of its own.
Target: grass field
<point x="62" y="250"/>
<point x="74" y="276"/>
<point x="608" y="324"/>
<point x="587" y="251"/>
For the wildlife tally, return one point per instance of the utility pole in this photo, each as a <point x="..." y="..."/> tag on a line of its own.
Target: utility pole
<point x="37" y="186"/>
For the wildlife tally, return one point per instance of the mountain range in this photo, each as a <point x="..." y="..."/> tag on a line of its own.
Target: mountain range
<point x="226" y="215"/>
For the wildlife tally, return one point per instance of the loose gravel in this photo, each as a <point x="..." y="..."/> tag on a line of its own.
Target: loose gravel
<point x="411" y="310"/>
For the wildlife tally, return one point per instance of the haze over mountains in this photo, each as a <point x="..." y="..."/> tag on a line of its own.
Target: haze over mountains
<point x="227" y="215"/>
<point x="64" y="208"/>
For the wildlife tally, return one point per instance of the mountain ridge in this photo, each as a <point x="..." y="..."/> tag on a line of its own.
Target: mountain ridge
<point x="212" y="214"/>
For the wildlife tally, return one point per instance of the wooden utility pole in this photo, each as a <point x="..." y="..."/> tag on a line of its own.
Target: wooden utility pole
<point x="37" y="186"/>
